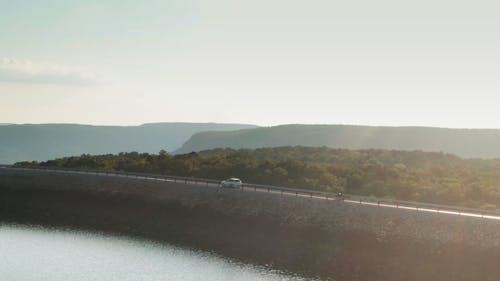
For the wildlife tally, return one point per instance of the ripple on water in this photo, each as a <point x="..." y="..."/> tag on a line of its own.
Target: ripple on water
<point x="32" y="253"/>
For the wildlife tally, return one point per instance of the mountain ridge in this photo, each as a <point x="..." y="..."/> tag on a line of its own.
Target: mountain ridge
<point x="468" y="143"/>
<point x="21" y="142"/>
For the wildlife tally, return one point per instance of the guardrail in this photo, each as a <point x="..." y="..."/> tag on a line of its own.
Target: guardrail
<point x="348" y="198"/>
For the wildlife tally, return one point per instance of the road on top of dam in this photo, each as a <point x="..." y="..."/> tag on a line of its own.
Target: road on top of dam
<point x="348" y="199"/>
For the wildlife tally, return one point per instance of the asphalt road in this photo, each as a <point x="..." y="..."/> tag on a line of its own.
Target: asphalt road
<point x="436" y="209"/>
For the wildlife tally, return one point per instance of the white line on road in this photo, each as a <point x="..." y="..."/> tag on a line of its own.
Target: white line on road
<point x="288" y="193"/>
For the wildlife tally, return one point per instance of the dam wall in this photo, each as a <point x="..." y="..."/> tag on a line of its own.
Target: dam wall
<point x="315" y="238"/>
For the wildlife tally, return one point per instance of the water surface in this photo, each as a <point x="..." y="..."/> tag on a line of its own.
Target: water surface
<point x="37" y="254"/>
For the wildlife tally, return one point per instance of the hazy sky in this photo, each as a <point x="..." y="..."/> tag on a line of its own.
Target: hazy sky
<point x="433" y="63"/>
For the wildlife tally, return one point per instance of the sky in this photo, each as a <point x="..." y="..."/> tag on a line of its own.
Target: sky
<point x="265" y="62"/>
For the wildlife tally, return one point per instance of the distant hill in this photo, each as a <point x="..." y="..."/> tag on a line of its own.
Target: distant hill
<point x="48" y="141"/>
<point x="469" y="143"/>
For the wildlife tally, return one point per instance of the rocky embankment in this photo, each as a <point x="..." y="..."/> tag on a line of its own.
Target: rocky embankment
<point x="326" y="239"/>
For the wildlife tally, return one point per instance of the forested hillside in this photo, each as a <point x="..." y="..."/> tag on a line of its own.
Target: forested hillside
<point x="48" y="141"/>
<point x="469" y="143"/>
<point x="406" y="175"/>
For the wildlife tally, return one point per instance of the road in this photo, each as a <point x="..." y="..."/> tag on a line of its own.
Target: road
<point x="348" y="199"/>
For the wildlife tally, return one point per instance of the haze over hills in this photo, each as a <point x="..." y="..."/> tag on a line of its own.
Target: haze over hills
<point x="48" y="141"/>
<point x="469" y="143"/>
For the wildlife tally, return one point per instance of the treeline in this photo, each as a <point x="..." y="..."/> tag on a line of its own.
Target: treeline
<point x="405" y="175"/>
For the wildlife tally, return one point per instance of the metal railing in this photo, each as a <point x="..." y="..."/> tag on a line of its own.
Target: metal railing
<point x="304" y="193"/>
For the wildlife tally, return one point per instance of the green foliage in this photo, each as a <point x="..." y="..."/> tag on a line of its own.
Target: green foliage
<point x="406" y="175"/>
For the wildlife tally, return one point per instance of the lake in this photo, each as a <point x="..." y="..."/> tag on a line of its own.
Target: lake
<point x="39" y="254"/>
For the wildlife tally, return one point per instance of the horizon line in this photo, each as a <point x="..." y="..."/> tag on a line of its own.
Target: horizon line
<point x="249" y="124"/>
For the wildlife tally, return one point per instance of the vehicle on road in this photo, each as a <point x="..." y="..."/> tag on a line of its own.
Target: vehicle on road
<point x="232" y="182"/>
<point x="340" y="196"/>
